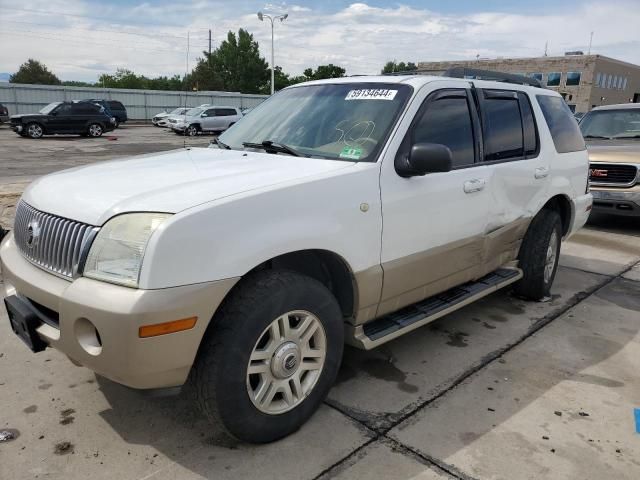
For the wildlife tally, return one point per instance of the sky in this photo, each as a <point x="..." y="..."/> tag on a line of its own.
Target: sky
<point x="82" y="39"/>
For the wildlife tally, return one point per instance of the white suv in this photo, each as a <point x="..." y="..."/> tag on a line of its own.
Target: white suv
<point x="346" y="210"/>
<point x="204" y="118"/>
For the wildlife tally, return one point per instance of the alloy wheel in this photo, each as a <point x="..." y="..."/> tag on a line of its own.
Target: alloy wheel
<point x="286" y="362"/>
<point x="550" y="261"/>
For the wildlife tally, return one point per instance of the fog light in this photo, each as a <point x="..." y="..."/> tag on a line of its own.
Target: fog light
<point x="88" y="337"/>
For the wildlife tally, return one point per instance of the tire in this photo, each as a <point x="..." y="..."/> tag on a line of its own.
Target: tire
<point x="539" y="255"/>
<point x="34" y="130"/>
<point x="192" y="130"/>
<point x="95" y="130"/>
<point x="225" y="391"/>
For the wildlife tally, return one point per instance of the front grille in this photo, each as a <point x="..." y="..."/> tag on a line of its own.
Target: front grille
<point x="612" y="174"/>
<point x="51" y="242"/>
<point x="173" y="120"/>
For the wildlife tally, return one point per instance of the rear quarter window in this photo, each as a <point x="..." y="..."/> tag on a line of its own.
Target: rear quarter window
<point x="563" y="127"/>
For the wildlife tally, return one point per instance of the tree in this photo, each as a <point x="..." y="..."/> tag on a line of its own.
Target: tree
<point x="32" y="71"/>
<point x="238" y="64"/>
<point x="324" y="71"/>
<point x="393" y="67"/>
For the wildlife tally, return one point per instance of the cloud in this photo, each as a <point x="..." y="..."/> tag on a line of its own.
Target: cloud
<point x="150" y="37"/>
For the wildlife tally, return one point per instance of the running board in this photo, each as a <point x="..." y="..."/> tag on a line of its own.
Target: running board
<point x="393" y="325"/>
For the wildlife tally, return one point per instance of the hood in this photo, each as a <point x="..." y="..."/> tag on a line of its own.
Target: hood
<point x="167" y="182"/>
<point x="161" y="115"/>
<point x="22" y="115"/>
<point x="615" y="151"/>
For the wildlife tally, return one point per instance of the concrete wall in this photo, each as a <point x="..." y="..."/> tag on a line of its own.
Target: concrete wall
<point x="580" y="97"/>
<point x="140" y="104"/>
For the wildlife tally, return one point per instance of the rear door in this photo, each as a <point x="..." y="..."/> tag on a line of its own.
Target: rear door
<point x="434" y="225"/>
<point x="82" y="114"/>
<point x="519" y="173"/>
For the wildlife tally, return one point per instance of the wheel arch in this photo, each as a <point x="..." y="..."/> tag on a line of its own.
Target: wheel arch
<point x="562" y="204"/>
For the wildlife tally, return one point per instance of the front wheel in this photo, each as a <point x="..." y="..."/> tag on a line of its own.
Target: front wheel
<point x="192" y="130"/>
<point x="95" y="130"/>
<point x="269" y="357"/>
<point x="539" y="255"/>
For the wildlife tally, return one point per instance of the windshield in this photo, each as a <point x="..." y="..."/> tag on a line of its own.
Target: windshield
<point x="193" y="112"/>
<point x="623" y="123"/>
<point x="347" y="121"/>
<point x="178" y="111"/>
<point x="47" y="110"/>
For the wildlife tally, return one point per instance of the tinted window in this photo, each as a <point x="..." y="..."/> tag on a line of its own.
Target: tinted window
<point x="113" y="105"/>
<point x="529" y="127"/>
<point x="502" y="126"/>
<point x="225" y="112"/>
<point x="447" y="121"/>
<point x="85" y="109"/>
<point x="563" y="127"/>
<point x="63" y="109"/>
<point x="210" y="113"/>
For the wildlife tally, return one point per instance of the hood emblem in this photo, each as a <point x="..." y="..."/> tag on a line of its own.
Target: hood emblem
<point x="596" y="172"/>
<point x="33" y="233"/>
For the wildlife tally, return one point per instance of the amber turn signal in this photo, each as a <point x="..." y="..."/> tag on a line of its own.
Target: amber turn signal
<point x="167" y="327"/>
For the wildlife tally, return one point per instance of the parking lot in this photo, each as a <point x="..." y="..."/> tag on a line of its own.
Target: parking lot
<point x="502" y="389"/>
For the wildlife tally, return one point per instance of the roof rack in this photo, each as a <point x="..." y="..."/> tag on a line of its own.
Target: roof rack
<point x="477" y="74"/>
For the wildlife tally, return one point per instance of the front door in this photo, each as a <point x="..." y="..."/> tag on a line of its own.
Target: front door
<point x="434" y="225"/>
<point x="60" y="119"/>
<point x="208" y="120"/>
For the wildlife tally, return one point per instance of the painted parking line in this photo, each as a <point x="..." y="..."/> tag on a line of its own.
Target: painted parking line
<point x="636" y="412"/>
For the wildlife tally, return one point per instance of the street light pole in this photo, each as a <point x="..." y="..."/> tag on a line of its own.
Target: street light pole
<point x="282" y="18"/>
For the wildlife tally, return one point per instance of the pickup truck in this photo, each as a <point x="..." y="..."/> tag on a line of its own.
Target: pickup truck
<point x="350" y="210"/>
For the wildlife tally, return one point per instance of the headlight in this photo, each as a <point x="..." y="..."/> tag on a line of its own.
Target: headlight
<point x="117" y="251"/>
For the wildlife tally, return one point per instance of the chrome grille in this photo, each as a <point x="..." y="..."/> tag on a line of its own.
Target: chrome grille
<point x="51" y="242"/>
<point x="613" y="174"/>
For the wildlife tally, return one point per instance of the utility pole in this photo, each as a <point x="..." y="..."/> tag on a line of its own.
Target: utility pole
<point x="209" y="43"/>
<point x="590" y="43"/>
<point x="546" y="47"/>
<point x="282" y="18"/>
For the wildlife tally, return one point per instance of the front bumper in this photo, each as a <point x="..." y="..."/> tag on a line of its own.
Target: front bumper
<point x="616" y="201"/>
<point x="116" y="313"/>
<point x="17" y="128"/>
<point x="177" y="127"/>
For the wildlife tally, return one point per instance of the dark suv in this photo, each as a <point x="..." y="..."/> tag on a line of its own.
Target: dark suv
<point x="4" y="114"/>
<point x="81" y="118"/>
<point x="113" y="108"/>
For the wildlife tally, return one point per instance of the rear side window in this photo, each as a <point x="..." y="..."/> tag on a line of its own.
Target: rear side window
<point x="447" y="121"/>
<point x="563" y="127"/>
<point x="113" y="105"/>
<point x="85" y="109"/>
<point x="225" y="112"/>
<point x="502" y="125"/>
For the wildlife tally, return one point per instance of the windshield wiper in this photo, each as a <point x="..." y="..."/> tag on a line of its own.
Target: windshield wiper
<point x="597" y="136"/>
<point x="625" y="136"/>
<point x="273" y="147"/>
<point x="220" y="144"/>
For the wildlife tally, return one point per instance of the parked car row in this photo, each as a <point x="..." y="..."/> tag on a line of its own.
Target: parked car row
<point x="202" y="119"/>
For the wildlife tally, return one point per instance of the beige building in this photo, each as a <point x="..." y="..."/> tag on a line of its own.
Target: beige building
<point x="585" y="81"/>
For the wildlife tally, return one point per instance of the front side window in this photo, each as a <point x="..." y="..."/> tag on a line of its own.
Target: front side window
<point x="611" y="124"/>
<point x="447" y="121"/>
<point x="553" y="79"/>
<point x="210" y="113"/>
<point x="194" y="112"/>
<point x="562" y="125"/>
<point x="341" y="121"/>
<point x="502" y="125"/>
<point x="63" y="109"/>
<point x="573" y="78"/>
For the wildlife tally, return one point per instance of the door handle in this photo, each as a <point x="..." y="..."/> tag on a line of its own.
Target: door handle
<point x="475" y="185"/>
<point x="541" y="172"/>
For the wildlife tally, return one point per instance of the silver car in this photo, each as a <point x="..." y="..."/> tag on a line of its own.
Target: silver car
<point x="204" y="119"/>
<point x="161" y="119"/>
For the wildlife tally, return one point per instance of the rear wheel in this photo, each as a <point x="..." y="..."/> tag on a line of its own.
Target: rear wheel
<point x="34" y="130"/>
<point x="539" y="255"/>
<point x="270" y="356"/>
<point x="94" y="130"/>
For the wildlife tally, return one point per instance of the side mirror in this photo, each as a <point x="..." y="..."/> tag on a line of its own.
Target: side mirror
<point x="54" y="113"/>
<point x="424" y="158"/>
